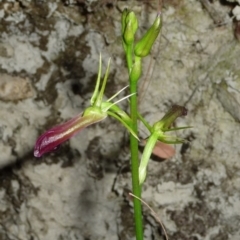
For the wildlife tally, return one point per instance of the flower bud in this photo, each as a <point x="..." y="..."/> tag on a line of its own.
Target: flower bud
<point x="129" y="26"/>
<point x="144" y="45"/>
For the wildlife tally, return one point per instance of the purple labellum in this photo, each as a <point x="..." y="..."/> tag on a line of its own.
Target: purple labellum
<point x="53" y="138"/>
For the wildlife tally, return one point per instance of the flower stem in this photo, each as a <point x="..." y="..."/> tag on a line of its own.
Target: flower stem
<point x="129" y="58"/>
<point x="135" y="164"/>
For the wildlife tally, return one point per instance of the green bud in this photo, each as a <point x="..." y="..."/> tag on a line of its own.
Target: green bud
<point x="136" y="70"/>
<point x="129" y="26"/>
<point x="144" y="45"/>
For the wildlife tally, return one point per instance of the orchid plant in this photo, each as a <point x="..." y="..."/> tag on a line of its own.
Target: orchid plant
<point x="100" y="109"/>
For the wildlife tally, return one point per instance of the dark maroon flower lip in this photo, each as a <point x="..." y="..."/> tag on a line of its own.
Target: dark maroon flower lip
<point x="51" y="139"/>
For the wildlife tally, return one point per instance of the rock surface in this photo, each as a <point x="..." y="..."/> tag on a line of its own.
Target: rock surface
<point x="49" y="53"/>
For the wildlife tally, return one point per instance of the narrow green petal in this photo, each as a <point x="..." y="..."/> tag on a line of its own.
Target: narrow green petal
<point x="146" y="156"/>
<point x="96" y="90"/>
<point x="125" y="124"/>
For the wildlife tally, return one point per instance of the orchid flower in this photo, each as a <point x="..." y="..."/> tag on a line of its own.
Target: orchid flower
<point x="158" y="134"/>
<point x="97" y="112"/>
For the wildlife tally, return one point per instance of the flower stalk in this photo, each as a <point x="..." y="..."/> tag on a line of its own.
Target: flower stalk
<point x="134" y="63"/>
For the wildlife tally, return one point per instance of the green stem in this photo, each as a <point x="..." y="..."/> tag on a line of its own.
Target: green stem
<point x="129" y="58"/>
<point x="135" y="164"/>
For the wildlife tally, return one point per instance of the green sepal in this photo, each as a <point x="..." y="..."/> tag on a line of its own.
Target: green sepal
<point x="98" y="101"/>
<point x="170" y="139"/>
<point x="96" y="90"/>
<point x="123" y="19"/>
<point x="176" y="129"/>
<point x="167" y="120"/>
